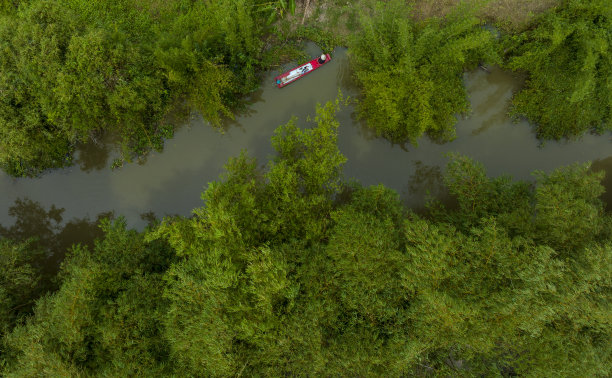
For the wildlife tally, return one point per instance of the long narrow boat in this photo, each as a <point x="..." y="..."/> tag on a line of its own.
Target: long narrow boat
<point x="301" y="71"/>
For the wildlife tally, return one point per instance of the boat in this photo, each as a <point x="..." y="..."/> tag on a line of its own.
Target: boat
<point x="301" y="71"/>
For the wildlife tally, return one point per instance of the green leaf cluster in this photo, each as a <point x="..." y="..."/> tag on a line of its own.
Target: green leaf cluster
<point x="568" y="57"/>
<point x="71" y="70"/>
<point x="289" y="270"/>
<point x="106" y="316"/>
<point x="410" y="72"/>
<point x="276" y="9"/>
<point x="8" y="6"/>
<point x="516" y="250"/>
<point x="19" y="283"/>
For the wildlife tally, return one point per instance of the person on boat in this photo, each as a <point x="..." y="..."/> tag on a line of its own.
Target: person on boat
<point x="321" y="59"/>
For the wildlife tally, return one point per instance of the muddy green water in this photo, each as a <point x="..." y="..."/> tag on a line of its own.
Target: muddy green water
<point x="171" y="182"/>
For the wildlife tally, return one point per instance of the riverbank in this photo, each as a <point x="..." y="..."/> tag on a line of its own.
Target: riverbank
<point x="292" y="268"/>
<point x="171" y="182"/>
<point x="339" y="17"/>
<point x="509" y="14"/>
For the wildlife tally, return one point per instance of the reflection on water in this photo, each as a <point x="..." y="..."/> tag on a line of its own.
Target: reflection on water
<point x="425" y="183"/>
<point x="48" y="232"/>
<point x="171" y="182"/>
<point x="244" y="109"/>
<point x="487" y="135"/>
<point x="96" y="154"/>
<point x="93" y="156"/>
<point x="497" y="88"/>
<point x="345" y="76"/>
<point x="150" y="218"/>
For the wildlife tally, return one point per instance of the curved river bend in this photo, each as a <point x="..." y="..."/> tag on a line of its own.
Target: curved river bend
<point x="171" y="182"/>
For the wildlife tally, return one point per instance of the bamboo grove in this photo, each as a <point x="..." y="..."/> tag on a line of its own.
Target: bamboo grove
<point x="291" y="269"/>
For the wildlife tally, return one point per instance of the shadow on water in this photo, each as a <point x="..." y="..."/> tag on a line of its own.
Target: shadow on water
<point x="48" y="232"/>
<point x="369" y="134"/>
<point x="150" y="218"/>
<point x="243" y="109"/>
<point x="94" y="155"/>
<point x="346" y="76"/>
<point x="362" y="126"/>
<point x="97" y="152"/>
<point x="426" y="183"/>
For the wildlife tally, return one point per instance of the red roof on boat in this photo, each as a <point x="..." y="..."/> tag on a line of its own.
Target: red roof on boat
<point x="299" y="71"/>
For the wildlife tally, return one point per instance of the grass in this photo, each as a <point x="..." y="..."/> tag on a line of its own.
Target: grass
<point x="339" y="16"/>
<point x="509" y="14"/>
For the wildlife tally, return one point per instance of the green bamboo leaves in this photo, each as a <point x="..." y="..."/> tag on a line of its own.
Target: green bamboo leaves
<point x="411" y="72"/>
<point x="289" y="270"/>
<point x="276" y="9"/>
<point x="568" y="56"/>
<point x="71" y="71"/>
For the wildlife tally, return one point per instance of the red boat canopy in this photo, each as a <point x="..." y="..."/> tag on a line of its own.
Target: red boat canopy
<point x="301" y="71"/>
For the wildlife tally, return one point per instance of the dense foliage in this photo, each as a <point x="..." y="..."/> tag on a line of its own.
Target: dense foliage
<point x="568" y="56"/>
<point x="73" y="70"/>
<point x="107" y="315"/>
<point x="70" y="70"/>
<point x="19" y="282"/>
<point x="290" y="271"/>
<point x="411" y="72"/>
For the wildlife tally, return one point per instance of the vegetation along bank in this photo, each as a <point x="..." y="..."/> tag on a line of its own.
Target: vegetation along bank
<point x="291" y="269"/>
<point x="72" y="71"/>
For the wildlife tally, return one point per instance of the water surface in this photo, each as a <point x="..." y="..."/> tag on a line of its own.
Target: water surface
<point x="171" y="182"/>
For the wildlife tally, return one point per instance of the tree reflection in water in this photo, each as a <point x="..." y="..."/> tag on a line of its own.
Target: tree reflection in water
<point x="49" y="234"/>
<point x="425" y="185"/>
<point x="93" y="156"/>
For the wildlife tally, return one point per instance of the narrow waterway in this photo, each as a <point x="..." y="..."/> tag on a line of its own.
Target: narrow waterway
<point x="171" y="182"/>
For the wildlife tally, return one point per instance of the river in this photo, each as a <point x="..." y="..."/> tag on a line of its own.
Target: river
<point x="171" y="182"/>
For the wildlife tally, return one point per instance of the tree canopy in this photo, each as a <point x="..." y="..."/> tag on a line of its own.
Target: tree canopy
<point x="290" y="270"/>
<point x="568" y="57"/>
<point x="71" y="70"/>
<point x="411" y="72"/>
<point x="19" y="282"/>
